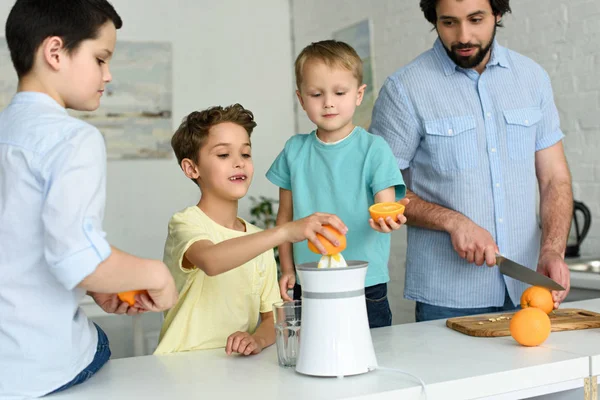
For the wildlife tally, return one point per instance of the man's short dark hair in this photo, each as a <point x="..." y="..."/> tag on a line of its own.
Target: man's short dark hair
<point x="30" y="22"/>
<point x="499" y="7"/>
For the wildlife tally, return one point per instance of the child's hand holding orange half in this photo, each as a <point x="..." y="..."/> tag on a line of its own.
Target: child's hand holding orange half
<point x="388" y="217"/>
<point x="313" y="225"/>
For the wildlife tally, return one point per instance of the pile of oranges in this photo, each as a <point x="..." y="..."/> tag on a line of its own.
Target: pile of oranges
<point x="531" y="325"/>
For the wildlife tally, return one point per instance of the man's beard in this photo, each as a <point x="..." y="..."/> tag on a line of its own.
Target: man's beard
<point x="471" y="61"/>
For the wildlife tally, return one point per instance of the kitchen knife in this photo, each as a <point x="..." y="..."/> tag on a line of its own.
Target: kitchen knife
<point x="524" y="274"/>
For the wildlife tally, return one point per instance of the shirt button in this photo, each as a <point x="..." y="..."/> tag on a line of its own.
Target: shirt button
<point x="489" y="115"/>
<point x="449" y="131"/>
<point x="493" y="149"/>
<point x="527" y="121"/>
<point x="500" y="220"/>
<point x="497" y="185"/>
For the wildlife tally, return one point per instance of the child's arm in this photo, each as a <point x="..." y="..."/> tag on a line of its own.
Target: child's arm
<point x="215" y="259"/>
<point x="285" y="214"/>
<point x="388" y="225"/>
<point x="122" y="272"/>
<point x="246" y="344"/>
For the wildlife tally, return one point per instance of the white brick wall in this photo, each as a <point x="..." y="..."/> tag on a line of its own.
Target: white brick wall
<point x="562" y="35"/>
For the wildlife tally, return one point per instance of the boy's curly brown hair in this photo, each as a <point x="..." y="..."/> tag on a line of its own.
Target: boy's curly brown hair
<point x="191" y="134"/>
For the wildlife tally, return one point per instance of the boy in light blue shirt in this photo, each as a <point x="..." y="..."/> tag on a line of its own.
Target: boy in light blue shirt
<point x="52" y="194"/>
<point x="339" y="168"/>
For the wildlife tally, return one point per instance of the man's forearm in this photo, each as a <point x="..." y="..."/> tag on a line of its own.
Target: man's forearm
<point x="556" y="212"/>
<point x="428" y="215"/>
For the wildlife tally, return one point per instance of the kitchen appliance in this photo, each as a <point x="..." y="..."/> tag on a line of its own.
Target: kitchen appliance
<point x="336" y="340"/>
<point x="524" y="274"/>
<point x="582" y="219"/>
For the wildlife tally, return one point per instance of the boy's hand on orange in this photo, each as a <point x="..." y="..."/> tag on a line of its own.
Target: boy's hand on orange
<point x="313" y="225"/>
<point x="242" y="343"/>
<point x="286" y="282"/>
<point x="388" y="224"/>
<point x="161" y="299"/>
<point x="324" y="241"/>
<point x="111" y="304"/>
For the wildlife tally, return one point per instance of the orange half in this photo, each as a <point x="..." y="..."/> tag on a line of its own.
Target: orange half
<point x="329" y="247"/>
<point x="384" y="210"/>
<point x="129" y="297"/>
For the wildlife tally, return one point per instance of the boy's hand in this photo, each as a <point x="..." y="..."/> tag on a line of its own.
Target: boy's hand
<point x="111" y="304"/>
<point x="286" y="282"/>
<point x="308" y="227"/>
<point x="242" y="343"/>
<point x="162" y="299"/>
<point x="388" y="225"/>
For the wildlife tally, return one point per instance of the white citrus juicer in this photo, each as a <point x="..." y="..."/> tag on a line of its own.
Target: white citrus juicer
<point x="335" y="335"/>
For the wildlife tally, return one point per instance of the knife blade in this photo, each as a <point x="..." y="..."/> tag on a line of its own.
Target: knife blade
<point x="522" y="273"/>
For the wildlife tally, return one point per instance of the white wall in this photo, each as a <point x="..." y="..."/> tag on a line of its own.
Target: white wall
<point x="220" y="56"/>
<point x="224" y="52"/>
<point x="562" y="35"/>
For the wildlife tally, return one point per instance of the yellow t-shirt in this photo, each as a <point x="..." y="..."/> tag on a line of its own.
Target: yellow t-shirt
<point x="210" y="308"/>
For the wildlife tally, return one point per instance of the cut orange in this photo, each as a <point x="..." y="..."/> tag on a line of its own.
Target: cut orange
<point x="329" y="247"/>
<point x="129" y="297"/>
<point x="384" y="210"/>
<point x="530" y="326"/>
<point x="538" y="297"/>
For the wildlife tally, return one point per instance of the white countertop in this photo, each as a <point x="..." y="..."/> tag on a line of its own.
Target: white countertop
<point x="453" y="366"/>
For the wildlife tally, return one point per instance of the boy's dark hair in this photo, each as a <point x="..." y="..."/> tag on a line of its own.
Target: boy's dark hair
<point x="192" y="133"/>
<point x="30" y="22"/>
<point x="499" y="7"/>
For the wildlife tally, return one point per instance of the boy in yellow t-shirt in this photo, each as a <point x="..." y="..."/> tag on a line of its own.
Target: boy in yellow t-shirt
<point x="224" y="267"/>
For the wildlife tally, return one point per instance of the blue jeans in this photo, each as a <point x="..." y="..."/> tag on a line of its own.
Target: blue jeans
<point x="101" y="357"/>
<point x="428" y="312"/>
<point x="378" y="306"/>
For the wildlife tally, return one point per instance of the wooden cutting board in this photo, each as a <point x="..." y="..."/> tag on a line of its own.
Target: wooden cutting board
<point x="495" y="325"/>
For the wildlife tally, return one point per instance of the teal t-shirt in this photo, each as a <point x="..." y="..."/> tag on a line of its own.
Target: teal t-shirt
<point x="341" y="179"/>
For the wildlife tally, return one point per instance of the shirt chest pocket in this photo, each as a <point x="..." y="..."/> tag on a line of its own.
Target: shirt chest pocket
<point x="452" y="143"/>
<point x="521" y="129"/>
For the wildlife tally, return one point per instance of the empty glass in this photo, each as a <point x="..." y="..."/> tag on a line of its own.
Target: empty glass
<point x="287" y="331"/>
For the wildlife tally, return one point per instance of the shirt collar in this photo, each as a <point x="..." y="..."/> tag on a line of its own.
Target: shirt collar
<point x="37" y="97"/>
<point x="498" y="57"/>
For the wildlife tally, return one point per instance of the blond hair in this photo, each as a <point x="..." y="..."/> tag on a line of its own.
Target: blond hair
<point x="334" y="54"/>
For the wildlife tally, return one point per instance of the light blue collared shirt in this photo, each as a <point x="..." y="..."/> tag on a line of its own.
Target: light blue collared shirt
<point x="52" y="194"/>
<point x="342" y="179"/>
<point x="468" y="143"/>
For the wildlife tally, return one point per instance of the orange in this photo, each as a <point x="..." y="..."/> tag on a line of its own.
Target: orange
<point x="538" y="297"/>
<point x="530" y="326"/>
<point x="384" y="210"/>
<point x="329" y="247"/>
<point x="129" y="297"/>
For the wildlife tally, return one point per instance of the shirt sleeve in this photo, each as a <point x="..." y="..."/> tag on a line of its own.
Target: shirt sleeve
<point x="394" y="120"/>
<point x="182" y="234"/>
<point x="74" y="174"/>
<point x="548" y="132"/>
<point x="279" y="173"/>
<point x="270" y="291"/>
<point x="384" y="169"/>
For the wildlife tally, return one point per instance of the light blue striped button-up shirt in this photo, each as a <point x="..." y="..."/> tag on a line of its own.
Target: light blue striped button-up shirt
<point x="52" y="194"/>
<point x="467" y="142"/>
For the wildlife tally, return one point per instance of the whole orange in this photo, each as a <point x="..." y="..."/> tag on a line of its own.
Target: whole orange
<point x="329" y="247"/>
<point x="538" y="297"/>
<point x="530" y="326"/>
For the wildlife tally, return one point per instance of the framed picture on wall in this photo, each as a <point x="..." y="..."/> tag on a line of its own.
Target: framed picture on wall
<point x="135" y="113"/>
<point x="359" y="36"/>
